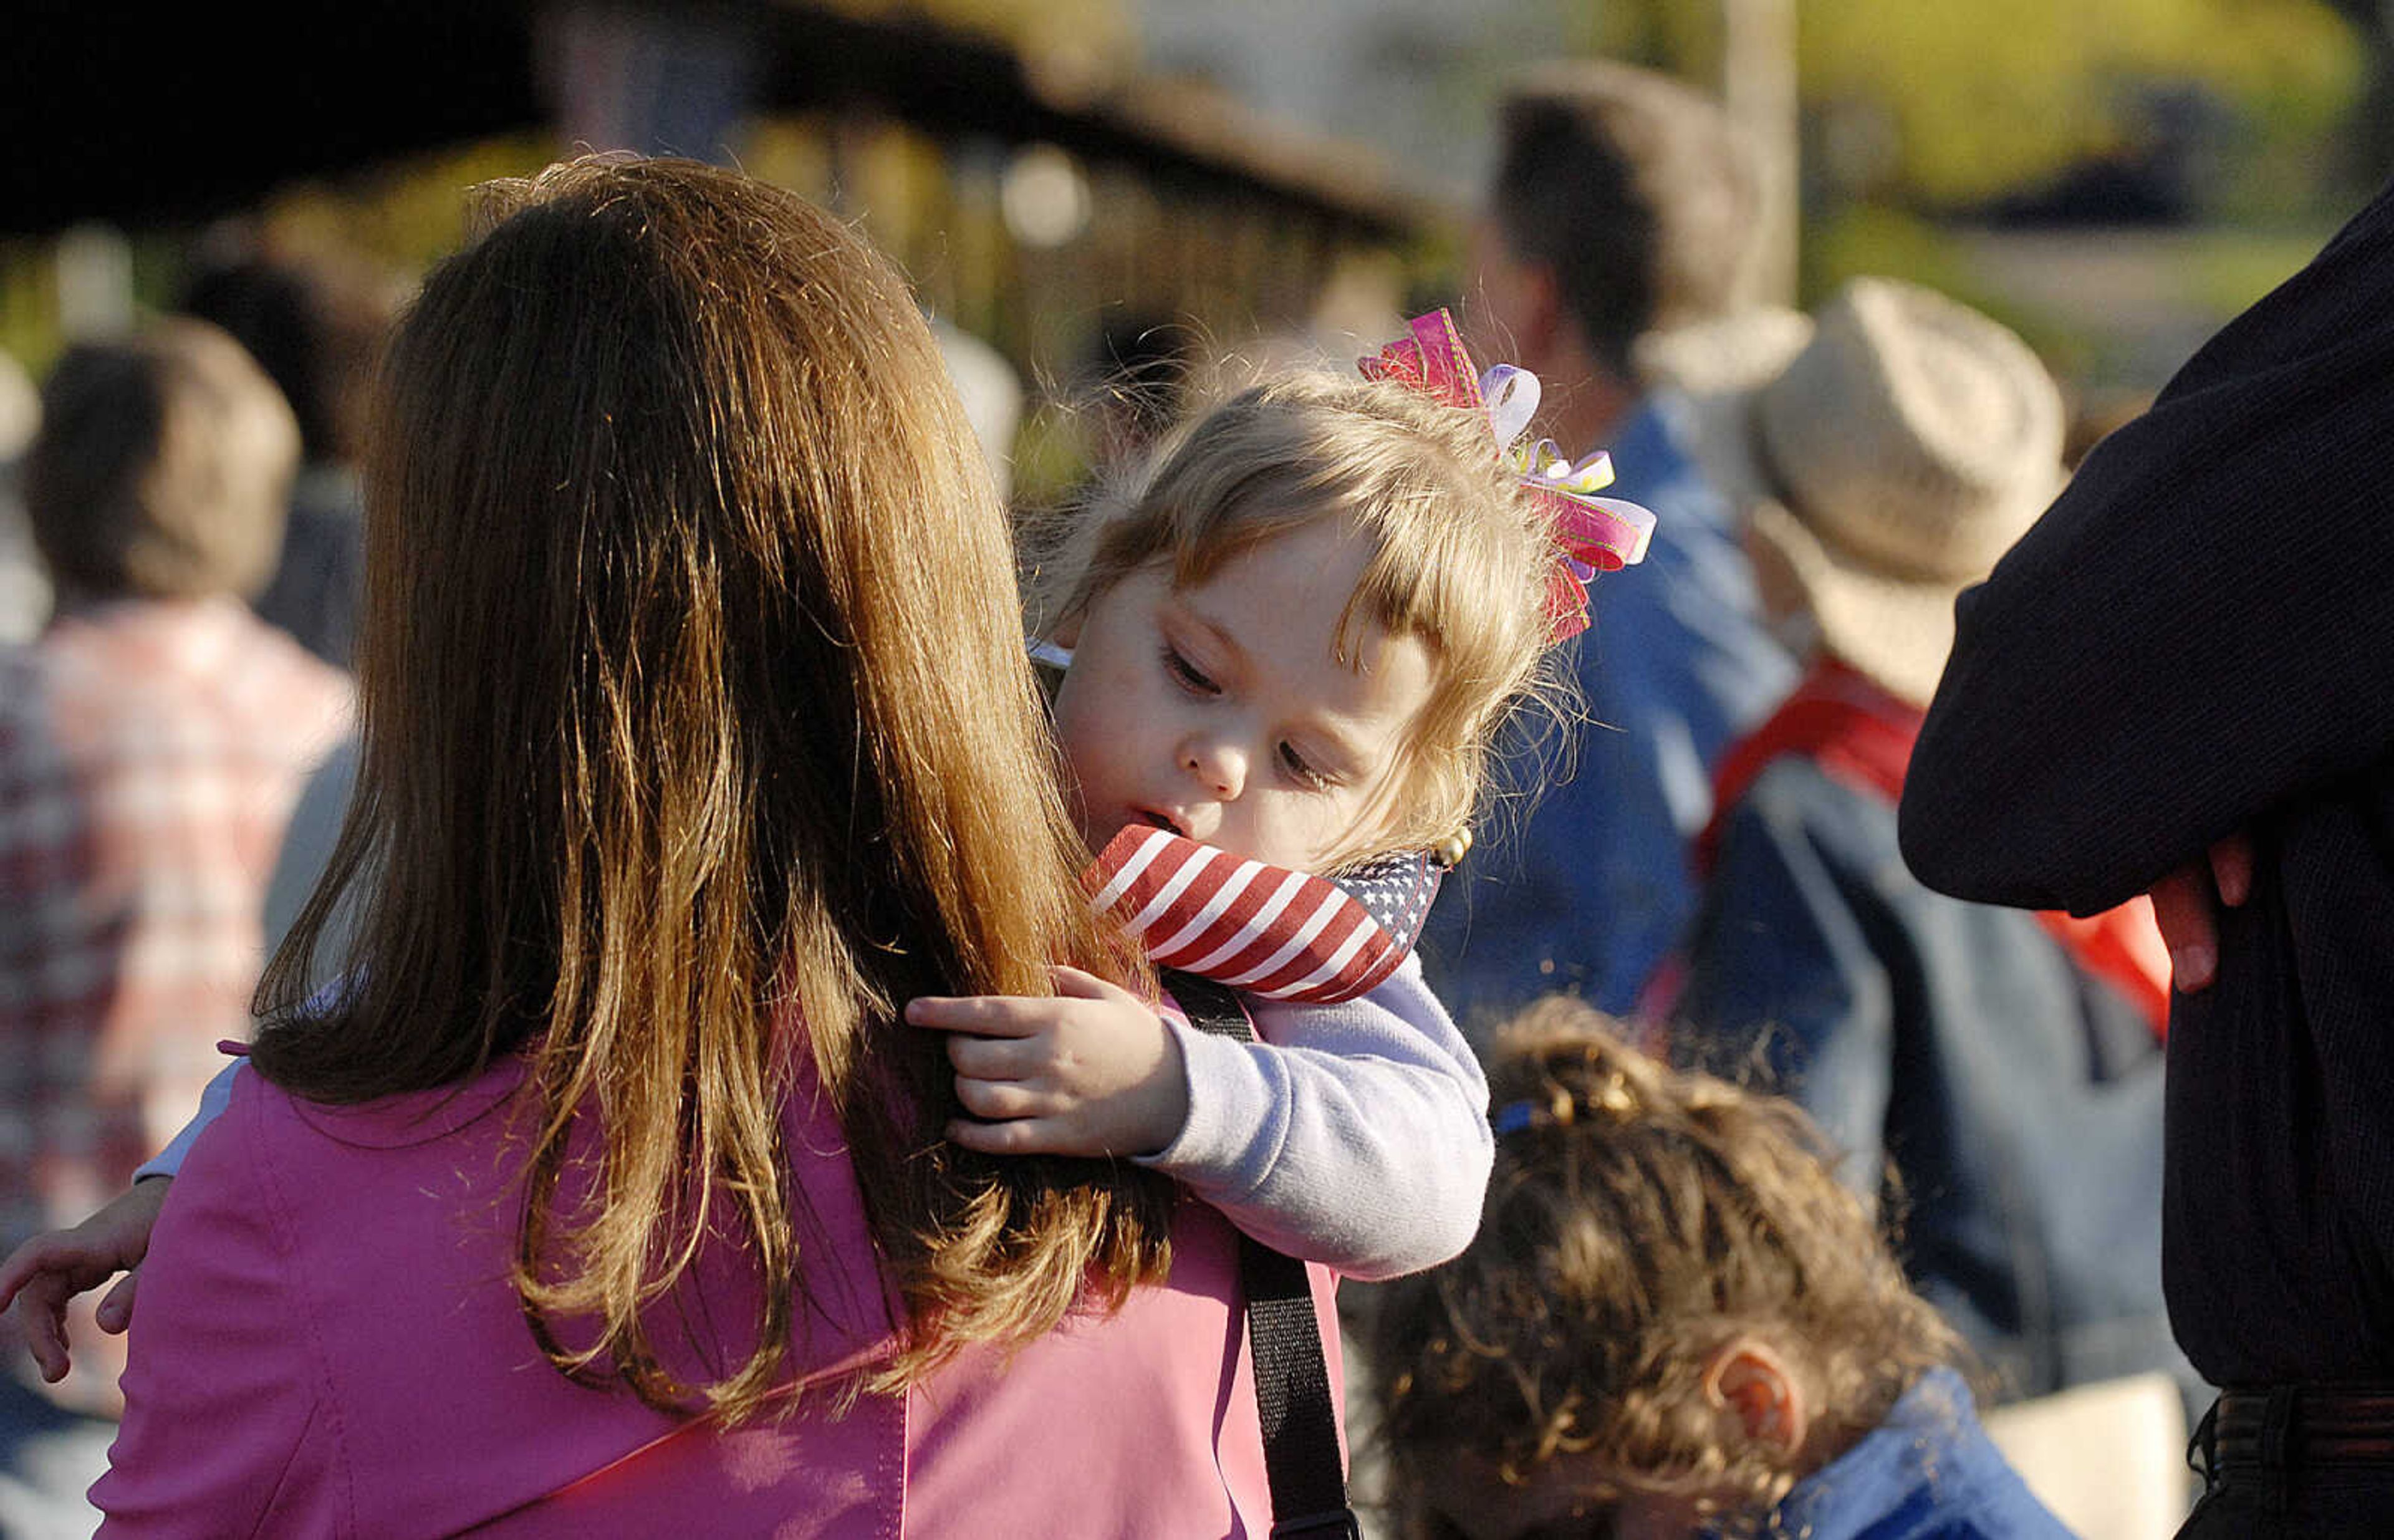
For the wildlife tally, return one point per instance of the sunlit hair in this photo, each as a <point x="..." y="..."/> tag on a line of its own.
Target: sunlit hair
<point x="1637" y="1219"/>
<point x="163" y="468"/>
<point x="697" y="737"/>
<point x="1461" y="555"/>
<point x="1636" y="191"/>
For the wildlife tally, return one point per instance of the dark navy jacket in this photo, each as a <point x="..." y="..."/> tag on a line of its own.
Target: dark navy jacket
<point x="2018" y="1098"/>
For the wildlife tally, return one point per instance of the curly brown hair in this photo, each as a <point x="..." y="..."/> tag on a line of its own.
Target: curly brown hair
<point x="1637" y="1219"/>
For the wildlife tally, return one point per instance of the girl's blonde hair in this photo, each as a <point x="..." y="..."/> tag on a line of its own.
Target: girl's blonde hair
<point x="1637" y="1219"/>
<point x="1462" y="556"/>
<point x="697" y="737"/>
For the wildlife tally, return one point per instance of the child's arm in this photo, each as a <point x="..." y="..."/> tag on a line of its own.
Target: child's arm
<point x="1090" y="1069"/>
<point x="42" y="1275"/>
<point x="1354" y="1135"/>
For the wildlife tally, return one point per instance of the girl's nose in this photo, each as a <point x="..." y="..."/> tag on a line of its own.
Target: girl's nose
<point x="1219" y="765"/>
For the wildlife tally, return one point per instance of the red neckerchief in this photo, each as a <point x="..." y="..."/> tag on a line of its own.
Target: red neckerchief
<point x="1861" y="737"/>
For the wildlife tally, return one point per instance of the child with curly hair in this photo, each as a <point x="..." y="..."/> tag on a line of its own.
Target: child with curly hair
<point x="1674" y="1320"/>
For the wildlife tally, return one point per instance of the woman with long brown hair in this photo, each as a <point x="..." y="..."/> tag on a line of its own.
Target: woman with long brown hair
<point x="697" y="737"/>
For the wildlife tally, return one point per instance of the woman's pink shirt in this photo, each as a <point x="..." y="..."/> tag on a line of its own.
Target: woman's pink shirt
<point x="327" y="1344"/>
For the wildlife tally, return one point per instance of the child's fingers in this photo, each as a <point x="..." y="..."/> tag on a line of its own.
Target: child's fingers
<point x="985" y="1015"/>
<point x="997" y="1101"/>
<point x="1029" y="1136"/>
<point x="43" y="1254"/>
<point x="1071" y="983"/>
<point x="116" y="1310"/>
<point x="995" y="1058"/>
<point x="39" y="1313"/>
<point x="21" y="1265"/>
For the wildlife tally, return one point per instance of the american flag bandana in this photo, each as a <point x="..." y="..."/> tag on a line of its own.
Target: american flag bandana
<point x="1262" y="930"/>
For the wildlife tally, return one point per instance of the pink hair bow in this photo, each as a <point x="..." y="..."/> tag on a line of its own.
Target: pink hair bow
<point x="1592" y="534"/>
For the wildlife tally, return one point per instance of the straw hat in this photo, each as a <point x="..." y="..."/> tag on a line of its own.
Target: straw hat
<point x="1726" y="353"/>
<point x="1886" y="468"/>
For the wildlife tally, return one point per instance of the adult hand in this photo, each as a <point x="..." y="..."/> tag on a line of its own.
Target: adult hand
<point x="42" y="1275"/>
<point x="2184" y="905"/>
<point x="1089" y="1071"/>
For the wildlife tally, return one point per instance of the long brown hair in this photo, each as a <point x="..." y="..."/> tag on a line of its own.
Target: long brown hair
<point x="698" y="736"/>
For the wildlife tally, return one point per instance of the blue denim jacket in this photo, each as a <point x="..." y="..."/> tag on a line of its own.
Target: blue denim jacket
<point x="1593" y="891"/>
<point x="1926" y="1473"/>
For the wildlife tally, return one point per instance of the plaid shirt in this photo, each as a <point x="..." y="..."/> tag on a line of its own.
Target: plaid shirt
<point x="150" y="754"/>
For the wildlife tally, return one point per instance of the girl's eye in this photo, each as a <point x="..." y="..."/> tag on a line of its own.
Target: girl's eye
<point x="1186" y="673"/>
<point x="1300" y="771"/>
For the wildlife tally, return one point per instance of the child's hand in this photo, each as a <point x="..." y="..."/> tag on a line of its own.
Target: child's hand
<point x="1089" y="1071"/>
<point x="41" y="1276"/>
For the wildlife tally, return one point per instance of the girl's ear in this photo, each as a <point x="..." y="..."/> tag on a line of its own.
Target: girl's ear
<point x="1746" y="1377"/>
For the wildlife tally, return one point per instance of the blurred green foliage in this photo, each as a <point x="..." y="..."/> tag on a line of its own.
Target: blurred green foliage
<point x="1865" y="239"/>
<point x="2227" y="269"/>
<point x="1964" y="103"/>
<point x="1987" y="98"/>
<point x="403" y="215"/>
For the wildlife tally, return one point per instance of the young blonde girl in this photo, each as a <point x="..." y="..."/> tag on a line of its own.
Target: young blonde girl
<point x="1674" y="1320"/>
<point x="1294" y="642"/>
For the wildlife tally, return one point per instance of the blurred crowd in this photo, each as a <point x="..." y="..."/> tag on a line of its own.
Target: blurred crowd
<point x="1796" y="1157"/>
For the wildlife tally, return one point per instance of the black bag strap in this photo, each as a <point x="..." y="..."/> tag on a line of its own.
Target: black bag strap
<point x="1293" y="1398"/>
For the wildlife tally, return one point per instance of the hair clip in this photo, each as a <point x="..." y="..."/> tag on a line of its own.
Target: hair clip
<point x="1560" y="1109"/>
<point x="1516" y="1117"/>
<point x="1592" y="534"/>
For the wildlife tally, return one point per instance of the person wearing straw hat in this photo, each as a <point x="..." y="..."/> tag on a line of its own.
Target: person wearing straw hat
<point x="2192" y="644"/>
<point x="2007" y="1066"/>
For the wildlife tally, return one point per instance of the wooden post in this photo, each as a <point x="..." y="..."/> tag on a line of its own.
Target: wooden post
<point x="1758" y="85"/>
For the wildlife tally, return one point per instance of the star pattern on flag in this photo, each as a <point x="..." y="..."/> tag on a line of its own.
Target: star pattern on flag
<point x="1264" y="930"/>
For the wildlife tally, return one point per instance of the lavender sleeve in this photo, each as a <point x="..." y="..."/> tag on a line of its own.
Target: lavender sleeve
<point x="212" y="1101"/>
<point x="1354" y="1135"/>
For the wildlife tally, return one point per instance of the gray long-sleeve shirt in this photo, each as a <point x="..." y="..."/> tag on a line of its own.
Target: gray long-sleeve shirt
<point x="1354" y="1135"/>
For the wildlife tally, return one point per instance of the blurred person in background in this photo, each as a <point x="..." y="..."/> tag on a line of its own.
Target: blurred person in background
<point x="314" y="327"/>
<point x="24" y="589"/>
<point x="2190" y="647"/>
<point x="152" y="741"/>
<point x="2005" y="1068"/>
<point x="1673" y="1321"/>
<point x="1623" y="207"/>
